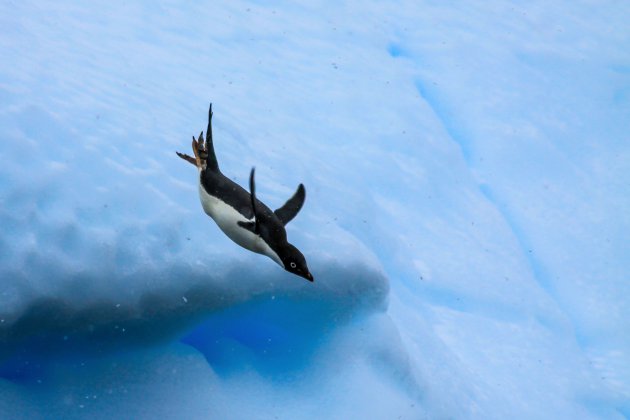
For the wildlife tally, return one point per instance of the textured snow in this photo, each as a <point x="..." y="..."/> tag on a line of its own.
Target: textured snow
<point x="467" y="169"/>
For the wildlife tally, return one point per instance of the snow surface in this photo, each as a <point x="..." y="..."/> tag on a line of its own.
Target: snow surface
<point x="467" y="167"/>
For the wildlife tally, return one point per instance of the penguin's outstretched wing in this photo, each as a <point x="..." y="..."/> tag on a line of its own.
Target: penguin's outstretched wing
<point x="291" y="208"/>
<point x="252" y="195"/>
<point x="252" y="226"/>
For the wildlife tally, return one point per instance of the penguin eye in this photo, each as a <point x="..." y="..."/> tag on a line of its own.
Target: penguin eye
<point x="293" y="265"/>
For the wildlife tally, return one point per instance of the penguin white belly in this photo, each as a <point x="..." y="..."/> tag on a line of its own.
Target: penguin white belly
<point x="227" y="218"/>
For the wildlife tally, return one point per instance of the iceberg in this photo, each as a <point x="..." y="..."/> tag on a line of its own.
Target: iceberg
<point x="466" y="220"/>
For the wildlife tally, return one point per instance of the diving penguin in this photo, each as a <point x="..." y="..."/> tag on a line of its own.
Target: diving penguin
<point x="240" y="215"/>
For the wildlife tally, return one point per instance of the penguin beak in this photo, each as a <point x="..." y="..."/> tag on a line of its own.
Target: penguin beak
<point x="309" y="277"/>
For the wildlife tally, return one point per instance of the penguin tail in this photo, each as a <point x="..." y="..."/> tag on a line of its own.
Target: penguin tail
<point x="211" y="158"/>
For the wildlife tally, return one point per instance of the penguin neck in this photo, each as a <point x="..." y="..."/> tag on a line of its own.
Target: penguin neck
<point x="273" y="252"/>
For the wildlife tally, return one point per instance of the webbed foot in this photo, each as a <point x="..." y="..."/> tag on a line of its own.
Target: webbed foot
<point x="187" y="158"/>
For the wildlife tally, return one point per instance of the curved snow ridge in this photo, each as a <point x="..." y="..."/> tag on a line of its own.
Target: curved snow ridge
<point x="261" y="310"/>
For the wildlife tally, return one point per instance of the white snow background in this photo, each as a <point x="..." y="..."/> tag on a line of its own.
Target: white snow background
<point x="467" y="221"/>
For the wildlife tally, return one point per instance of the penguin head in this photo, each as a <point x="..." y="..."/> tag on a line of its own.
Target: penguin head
<point x="294" y="262"/>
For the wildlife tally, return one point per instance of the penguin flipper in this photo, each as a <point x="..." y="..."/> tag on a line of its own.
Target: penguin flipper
<point x="290" y="209"/>
<point x="252" y="195"/>
<point x="251" y="226"/>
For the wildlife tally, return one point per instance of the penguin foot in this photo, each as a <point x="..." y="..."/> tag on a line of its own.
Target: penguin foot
<point x="199" y="149"/>
<point x="187" y="158"/>
<point x="202" y="149"/>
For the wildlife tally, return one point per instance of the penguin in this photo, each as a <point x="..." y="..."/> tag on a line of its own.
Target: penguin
<point x="240" y="215"/>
